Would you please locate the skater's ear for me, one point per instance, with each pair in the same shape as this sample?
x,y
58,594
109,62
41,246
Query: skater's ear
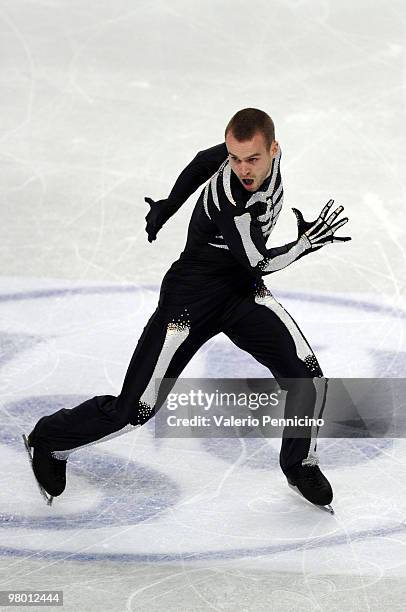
x,y
274,148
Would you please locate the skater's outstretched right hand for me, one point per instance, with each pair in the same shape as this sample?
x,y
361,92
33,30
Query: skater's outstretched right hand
x,y
156,217
320,232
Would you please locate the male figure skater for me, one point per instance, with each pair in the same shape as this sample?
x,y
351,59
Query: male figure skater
x,y
215,286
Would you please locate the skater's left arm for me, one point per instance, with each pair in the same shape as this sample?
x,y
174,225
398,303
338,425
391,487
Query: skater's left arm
x,y
245,239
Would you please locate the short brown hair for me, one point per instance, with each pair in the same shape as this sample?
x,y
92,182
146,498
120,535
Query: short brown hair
x,y
247,122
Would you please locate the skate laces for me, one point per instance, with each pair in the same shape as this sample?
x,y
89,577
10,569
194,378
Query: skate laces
x,y
311,460
311,474
60,455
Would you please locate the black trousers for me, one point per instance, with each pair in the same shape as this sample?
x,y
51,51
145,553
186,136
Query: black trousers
x,y
183,321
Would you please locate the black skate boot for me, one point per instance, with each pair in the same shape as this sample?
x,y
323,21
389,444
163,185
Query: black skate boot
x,y
307,479
49,472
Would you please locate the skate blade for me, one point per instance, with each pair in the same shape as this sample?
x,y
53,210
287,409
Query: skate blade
x,y
48,498
327,508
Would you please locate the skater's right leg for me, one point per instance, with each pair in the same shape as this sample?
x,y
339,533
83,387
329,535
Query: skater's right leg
x,y
102,416
167,343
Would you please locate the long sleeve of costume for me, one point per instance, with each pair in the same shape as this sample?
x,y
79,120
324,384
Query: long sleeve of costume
x,y
243,235
197,172
200,169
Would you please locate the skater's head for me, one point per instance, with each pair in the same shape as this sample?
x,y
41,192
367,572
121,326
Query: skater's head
x,y
251,145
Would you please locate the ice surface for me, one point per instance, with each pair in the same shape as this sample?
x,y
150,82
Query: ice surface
x,y
138,499
103,103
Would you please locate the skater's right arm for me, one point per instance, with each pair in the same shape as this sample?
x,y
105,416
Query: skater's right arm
x,y
200,169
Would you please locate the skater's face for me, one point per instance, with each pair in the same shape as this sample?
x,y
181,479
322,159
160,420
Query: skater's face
x,y
251,160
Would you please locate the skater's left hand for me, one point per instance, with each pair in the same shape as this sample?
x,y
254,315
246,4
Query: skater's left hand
x,y
321,231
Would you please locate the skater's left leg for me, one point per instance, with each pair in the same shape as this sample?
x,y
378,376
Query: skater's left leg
x,y
263,328
262,333
298,372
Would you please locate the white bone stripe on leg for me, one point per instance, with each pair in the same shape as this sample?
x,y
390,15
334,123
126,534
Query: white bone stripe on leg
x,y
302,347
175,336
303,350
173,339
64,454
320,383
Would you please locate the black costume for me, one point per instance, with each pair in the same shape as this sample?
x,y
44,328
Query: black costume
x,y
215,286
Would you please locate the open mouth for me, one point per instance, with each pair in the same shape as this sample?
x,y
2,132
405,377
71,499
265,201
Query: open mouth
x,y
247,181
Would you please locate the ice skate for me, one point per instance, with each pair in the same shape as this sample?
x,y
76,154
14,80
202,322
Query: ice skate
x,y
49,473
308,480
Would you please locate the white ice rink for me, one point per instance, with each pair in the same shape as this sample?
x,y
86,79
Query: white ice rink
x,y
101,104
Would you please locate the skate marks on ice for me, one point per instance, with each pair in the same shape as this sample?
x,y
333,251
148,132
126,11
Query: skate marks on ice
x,y
164,485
